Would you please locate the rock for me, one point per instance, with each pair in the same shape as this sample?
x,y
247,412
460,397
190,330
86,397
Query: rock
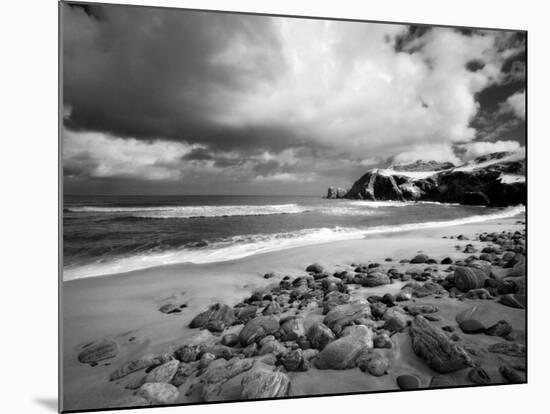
x,y
262,383
439,381
378,309
472,326
431,318
319,335
420,258
145,362
501,328
246,313
269,275
292,328
446,261
375,279
220,351
315,268
169,308
395,320
309,354
480,293
422,290
164,373
479,376
218,373
272,309
375,364
344,315
512,300
183,372
435,348
206,359
272,347
342,353
511,375
293,360
421,309
408,382
334,299
257,328
382,340
189,353
508,348
98,351
403,297
216,318
250,350
467,278
231,339
158,392
336,192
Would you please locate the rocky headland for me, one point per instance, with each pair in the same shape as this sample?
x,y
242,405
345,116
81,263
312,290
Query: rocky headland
x,y
493,180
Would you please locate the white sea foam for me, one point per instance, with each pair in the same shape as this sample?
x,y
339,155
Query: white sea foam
x,y
248,245
163,212
381,204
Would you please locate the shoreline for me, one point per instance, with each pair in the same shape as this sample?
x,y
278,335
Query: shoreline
x,y
352,234
125,307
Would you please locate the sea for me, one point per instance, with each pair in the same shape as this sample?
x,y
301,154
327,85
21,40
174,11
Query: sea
x,y
105,235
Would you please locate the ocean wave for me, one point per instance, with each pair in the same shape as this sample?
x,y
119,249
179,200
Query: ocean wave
x,y
247,245
381,204
165,212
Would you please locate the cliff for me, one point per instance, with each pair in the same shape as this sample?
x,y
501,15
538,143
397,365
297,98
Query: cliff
x,y
492,180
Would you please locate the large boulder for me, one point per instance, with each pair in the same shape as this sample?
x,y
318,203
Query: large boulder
x,y
216,318
343,352
261,382
467,278
344,315
258,328
436,348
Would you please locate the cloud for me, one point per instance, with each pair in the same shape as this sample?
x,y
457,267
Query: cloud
x,y
97,155
477,149
515,104
433,152
261,83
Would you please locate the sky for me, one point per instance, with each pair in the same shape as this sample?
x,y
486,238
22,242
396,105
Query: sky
x,y
165,101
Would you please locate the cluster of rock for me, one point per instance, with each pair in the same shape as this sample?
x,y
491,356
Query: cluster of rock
x,y
316,321
483,185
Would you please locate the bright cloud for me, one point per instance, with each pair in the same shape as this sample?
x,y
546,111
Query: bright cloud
x,y
477,149
516,104
433,152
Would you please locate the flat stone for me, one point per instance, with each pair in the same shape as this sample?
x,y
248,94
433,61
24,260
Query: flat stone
x,y
98,351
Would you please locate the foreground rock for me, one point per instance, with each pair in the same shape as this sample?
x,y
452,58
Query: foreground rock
x,y
258,328
215,319
435,348
158,393
343,352
263,383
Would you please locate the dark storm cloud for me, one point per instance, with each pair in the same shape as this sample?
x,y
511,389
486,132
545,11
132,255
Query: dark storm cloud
x,y
157,73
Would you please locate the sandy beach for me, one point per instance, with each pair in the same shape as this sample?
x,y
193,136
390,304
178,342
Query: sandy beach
x,y
124,309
